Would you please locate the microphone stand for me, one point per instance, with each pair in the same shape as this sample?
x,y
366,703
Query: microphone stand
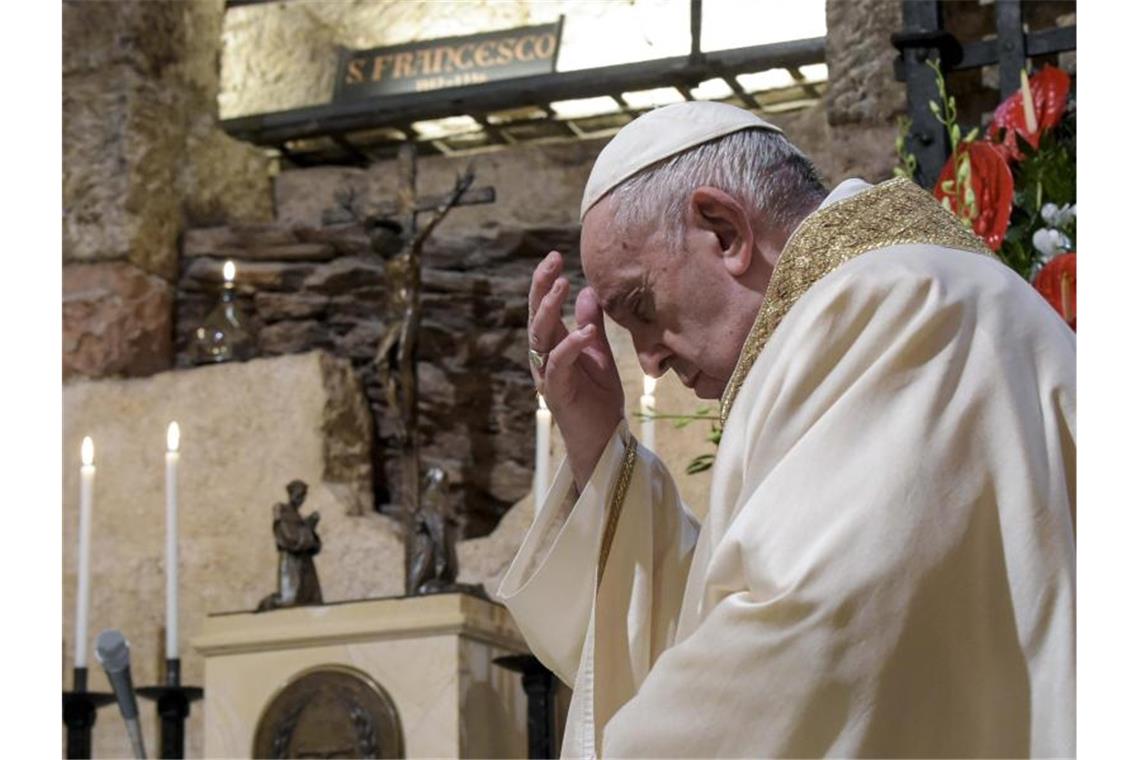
x,y
173,707
79,708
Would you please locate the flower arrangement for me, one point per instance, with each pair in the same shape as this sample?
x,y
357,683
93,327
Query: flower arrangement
x,y
1016,185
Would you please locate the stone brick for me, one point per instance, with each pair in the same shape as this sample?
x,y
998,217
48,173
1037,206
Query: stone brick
x,y
860,60
272,307
293,336
345,274
207,241
116,321
206,274
120,156
102,34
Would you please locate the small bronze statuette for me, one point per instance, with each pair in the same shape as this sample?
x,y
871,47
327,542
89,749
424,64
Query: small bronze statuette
x,y
435,565
297,544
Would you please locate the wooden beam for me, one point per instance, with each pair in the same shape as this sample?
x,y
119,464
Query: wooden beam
x,y
744,95
276,128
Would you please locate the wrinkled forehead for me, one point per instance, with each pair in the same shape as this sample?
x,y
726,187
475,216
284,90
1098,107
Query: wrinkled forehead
x,y
610,258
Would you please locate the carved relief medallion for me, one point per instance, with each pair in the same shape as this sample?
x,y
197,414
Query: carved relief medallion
x,y
330,711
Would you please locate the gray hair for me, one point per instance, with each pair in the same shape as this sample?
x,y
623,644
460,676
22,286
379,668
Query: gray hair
x,y
758,167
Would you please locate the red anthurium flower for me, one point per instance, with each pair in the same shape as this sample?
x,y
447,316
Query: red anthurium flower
x,y
991,202
1057,281
1049,89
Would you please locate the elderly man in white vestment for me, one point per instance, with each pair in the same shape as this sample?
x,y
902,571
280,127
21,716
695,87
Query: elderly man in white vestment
x,y
887,564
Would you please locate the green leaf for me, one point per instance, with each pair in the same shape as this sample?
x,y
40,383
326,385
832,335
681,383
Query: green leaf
x,y
700,464
964,172
973,135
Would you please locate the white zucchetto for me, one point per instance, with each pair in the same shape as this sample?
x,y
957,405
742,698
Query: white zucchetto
x,y
661,133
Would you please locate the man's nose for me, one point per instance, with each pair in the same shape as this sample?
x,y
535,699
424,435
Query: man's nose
x,y
651,355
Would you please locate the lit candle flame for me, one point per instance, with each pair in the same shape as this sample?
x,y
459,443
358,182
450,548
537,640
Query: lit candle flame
x,y
648,385
228,271
172,436
542,403
87,451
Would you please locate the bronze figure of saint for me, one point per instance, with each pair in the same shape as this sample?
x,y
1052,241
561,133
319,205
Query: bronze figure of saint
x,y
297,544
435,564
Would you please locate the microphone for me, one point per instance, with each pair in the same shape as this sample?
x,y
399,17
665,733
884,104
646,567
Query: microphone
x,y
114,654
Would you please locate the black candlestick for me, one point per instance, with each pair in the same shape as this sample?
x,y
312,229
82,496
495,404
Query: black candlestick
x,y
79,711
173,707
538,683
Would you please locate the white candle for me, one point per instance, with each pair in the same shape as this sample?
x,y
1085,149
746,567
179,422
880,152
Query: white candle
x,y
648,424
172,436
228,272
541,452
83,594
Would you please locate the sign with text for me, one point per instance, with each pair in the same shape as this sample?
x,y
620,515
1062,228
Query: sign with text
x,y
449,62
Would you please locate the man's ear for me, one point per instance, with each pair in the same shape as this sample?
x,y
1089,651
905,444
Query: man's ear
x,y
717,212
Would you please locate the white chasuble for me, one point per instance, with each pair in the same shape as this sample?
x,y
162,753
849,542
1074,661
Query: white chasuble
x,y
887,565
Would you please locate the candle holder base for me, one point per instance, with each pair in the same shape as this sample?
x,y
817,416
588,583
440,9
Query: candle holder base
x,y
173,702
79,711
538,683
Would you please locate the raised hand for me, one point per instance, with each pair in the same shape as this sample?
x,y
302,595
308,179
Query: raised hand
x,y
574,370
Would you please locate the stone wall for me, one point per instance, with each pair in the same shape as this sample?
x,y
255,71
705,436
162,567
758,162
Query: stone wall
x,y
142,158
306,288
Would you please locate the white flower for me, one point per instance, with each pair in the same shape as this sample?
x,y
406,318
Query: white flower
x,y
1051,242
1058,217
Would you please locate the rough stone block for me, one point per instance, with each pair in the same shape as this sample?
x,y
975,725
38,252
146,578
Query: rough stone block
x,y
103,33
223,179
293,336
272,307
346,273
860,59
206,274
119,170
116,321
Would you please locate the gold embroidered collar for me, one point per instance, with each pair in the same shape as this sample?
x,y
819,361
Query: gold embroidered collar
x,y
896,212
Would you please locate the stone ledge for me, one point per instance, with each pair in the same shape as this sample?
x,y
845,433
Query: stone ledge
x,y
366,620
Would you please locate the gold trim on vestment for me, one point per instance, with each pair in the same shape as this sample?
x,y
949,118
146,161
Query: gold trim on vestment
x,y
617,500
896,212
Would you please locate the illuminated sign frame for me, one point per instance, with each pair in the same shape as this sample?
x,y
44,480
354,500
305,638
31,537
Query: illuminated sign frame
x,y
448,62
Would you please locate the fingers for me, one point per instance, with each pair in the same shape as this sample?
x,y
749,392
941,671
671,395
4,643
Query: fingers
x,y
545,274
562,358
546,327
588,311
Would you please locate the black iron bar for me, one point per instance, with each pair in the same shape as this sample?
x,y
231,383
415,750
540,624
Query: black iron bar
x,y
695,31
1011,44
1041,42
928,140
